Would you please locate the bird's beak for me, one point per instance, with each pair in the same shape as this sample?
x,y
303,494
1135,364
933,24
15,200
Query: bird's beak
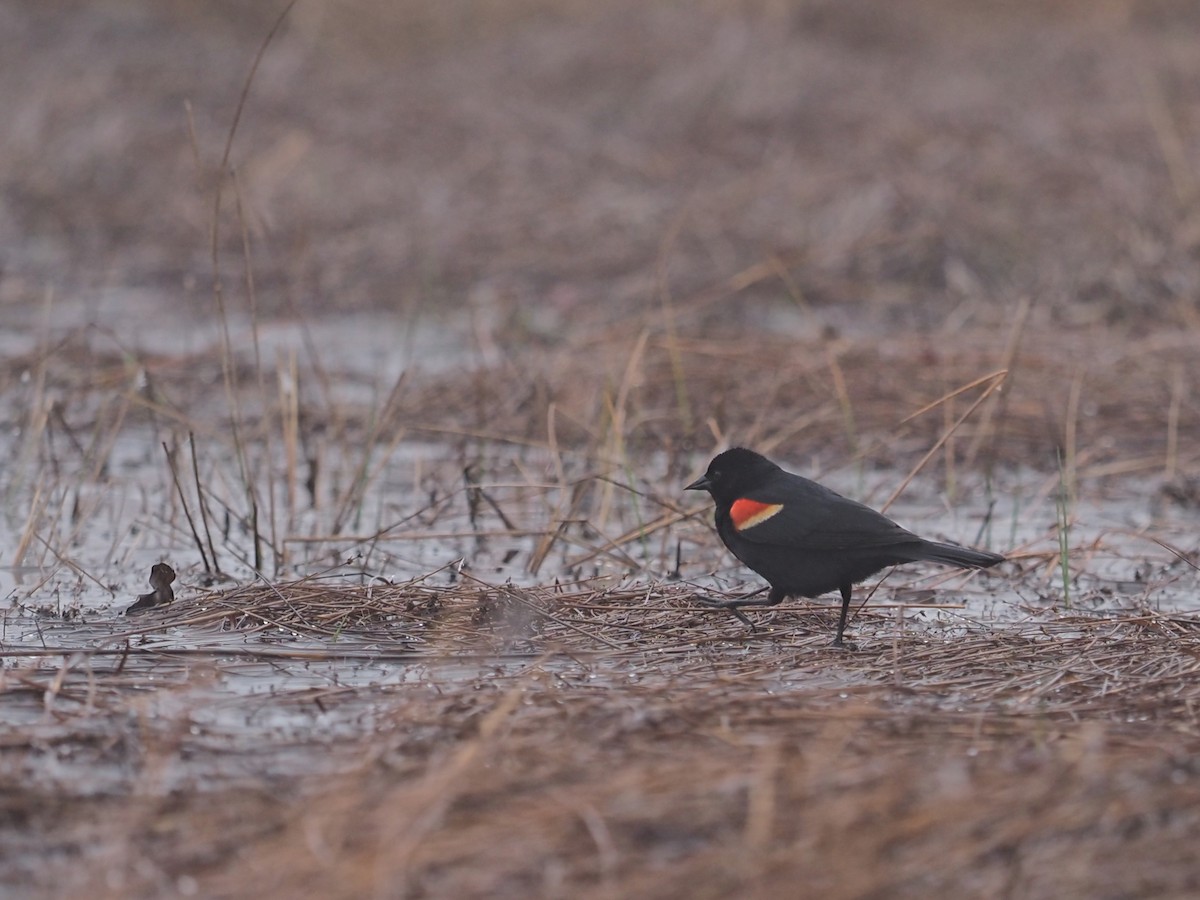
x,y
700,484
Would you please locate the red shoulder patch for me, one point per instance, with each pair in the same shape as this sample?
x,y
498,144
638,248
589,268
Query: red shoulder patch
x,y
748,513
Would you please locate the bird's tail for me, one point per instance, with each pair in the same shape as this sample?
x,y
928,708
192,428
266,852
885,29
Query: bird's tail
x,y
952,555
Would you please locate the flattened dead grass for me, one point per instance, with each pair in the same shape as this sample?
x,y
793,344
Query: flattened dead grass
x,y
637,745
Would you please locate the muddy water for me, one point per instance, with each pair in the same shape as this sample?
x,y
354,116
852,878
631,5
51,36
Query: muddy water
x,y
238,718
89,504
88,544
81,527
94,543
96,705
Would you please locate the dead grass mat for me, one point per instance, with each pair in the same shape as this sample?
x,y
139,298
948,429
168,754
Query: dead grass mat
x,y
639,747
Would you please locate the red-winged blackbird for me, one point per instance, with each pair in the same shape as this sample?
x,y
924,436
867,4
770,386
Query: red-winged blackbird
x,y
805,539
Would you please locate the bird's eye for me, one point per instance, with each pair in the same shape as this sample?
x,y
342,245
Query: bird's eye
x,y
714,475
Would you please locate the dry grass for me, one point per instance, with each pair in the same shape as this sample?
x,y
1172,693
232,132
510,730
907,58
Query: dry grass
x,y
632,746
1118,405
623,235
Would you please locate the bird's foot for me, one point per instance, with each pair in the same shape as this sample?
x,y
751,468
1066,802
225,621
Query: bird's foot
x,y
730,606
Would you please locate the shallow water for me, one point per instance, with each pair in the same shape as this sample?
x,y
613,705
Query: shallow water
x,y
97,707
93,519
90,542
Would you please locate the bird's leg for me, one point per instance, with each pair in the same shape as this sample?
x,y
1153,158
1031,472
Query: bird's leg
x,y
746,600
743,618
751,599
846,589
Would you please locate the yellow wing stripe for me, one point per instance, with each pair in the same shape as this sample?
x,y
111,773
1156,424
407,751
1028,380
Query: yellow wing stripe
x,y
748,513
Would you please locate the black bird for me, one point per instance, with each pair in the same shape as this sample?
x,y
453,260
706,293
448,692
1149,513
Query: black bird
x,y
806,540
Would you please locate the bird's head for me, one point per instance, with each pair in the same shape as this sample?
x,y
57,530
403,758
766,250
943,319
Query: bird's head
x,y
732,473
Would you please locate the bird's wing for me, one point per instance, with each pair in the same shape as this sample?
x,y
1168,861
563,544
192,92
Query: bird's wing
x,y
814,518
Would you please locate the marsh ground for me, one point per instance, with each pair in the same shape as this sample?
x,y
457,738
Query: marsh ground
x,y
495,281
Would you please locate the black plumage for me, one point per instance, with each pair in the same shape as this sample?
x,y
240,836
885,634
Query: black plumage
x,y
807,540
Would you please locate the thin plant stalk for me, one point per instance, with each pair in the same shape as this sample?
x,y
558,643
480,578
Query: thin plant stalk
x,y
1064,529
